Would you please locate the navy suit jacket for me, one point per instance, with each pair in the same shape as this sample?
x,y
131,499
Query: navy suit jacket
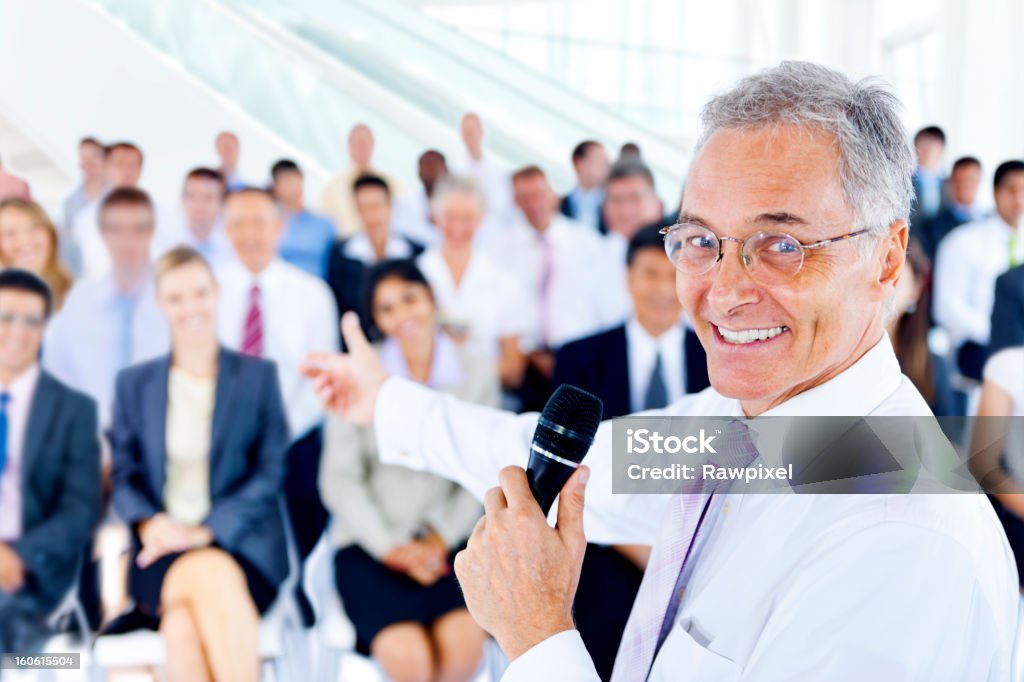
x,y
60,489
600,364
347,279
1008,311
247,455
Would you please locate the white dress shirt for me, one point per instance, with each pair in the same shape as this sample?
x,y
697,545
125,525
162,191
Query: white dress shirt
x,y
642,350
83,343
968,262
495,181
575,305
787,587
21,392
358,246
1005,369
488,303
299,315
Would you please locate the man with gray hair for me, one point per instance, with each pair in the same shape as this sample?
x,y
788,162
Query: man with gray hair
x,y
791,241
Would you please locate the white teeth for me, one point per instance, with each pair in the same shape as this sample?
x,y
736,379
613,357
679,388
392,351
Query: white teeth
x,y
750,335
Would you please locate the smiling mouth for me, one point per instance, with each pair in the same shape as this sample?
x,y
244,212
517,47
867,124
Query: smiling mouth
x,y
745,336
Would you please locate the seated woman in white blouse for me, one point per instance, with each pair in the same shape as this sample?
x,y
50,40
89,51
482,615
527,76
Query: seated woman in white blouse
x,y
396,529
198,441
997,444
481,304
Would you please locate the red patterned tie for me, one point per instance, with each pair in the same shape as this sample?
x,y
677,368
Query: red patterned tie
x,y
252,341
657,602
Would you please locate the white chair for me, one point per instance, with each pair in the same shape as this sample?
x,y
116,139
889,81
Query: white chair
x,y
283,645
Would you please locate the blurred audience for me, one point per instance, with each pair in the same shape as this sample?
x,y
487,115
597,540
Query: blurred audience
x,y
110,322
908,330
29,241
202,200
1007,321
959,207
969,261
930,145
274,310
90,160
412,211
122,168
199,439
630,151
651,360
630,204
997,444
583,203
491,176
396,530
49,471
228,149
350,258
553,258
337,201
307,236
482,306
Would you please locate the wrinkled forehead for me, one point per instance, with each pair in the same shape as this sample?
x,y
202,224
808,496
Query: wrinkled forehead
x,y
740,176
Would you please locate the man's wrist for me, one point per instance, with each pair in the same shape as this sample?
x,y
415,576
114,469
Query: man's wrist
x,y
516,644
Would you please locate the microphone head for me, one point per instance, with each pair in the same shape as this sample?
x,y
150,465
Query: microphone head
x,y
569,422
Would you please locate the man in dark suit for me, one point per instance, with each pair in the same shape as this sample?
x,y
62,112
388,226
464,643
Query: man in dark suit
x,y
49,470
349,259
648,362
957,208
652,359
1008,311
584,203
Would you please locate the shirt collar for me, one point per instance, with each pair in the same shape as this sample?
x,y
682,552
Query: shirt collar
x,y
636,334
358,246
445,366
22,388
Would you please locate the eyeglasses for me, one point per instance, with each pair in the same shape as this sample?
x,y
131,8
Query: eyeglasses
x,y
770,257
9,319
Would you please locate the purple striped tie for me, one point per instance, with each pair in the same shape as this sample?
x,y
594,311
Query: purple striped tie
x,y
657,603
252,341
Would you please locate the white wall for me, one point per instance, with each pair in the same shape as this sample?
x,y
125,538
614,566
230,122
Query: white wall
x,y
68,70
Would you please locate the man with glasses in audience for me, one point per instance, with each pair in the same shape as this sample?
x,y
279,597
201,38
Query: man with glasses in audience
x,y
49,470
791,243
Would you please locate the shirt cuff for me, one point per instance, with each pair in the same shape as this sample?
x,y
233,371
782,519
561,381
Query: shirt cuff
x,y
399,416
562,657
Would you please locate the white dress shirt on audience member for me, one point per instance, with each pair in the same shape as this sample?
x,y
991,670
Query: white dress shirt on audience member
x,y
558,263
86,342
643,351
493,177
297,311
972,257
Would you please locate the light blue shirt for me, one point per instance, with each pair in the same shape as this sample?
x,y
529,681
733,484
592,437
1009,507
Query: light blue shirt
x,y
305,242
588,204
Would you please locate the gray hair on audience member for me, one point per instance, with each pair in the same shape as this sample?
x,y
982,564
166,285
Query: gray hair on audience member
x,y
456,184
876,162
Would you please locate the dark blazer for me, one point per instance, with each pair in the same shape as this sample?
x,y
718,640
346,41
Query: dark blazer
x,y
600,364
568,208
1008,311
247,455
347,279
930,232
60,488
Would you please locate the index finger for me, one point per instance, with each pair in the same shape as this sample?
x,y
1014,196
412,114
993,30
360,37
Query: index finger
x,y
516,488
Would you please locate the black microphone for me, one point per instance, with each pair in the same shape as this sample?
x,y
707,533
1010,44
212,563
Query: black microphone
x,y
565,431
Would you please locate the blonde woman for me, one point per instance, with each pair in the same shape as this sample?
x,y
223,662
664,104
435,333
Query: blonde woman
x,y
198,440
29,241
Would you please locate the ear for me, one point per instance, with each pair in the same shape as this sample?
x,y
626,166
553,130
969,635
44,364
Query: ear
x,y
893,256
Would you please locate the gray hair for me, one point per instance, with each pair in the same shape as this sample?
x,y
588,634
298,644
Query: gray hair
x,y
876,163
455,184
